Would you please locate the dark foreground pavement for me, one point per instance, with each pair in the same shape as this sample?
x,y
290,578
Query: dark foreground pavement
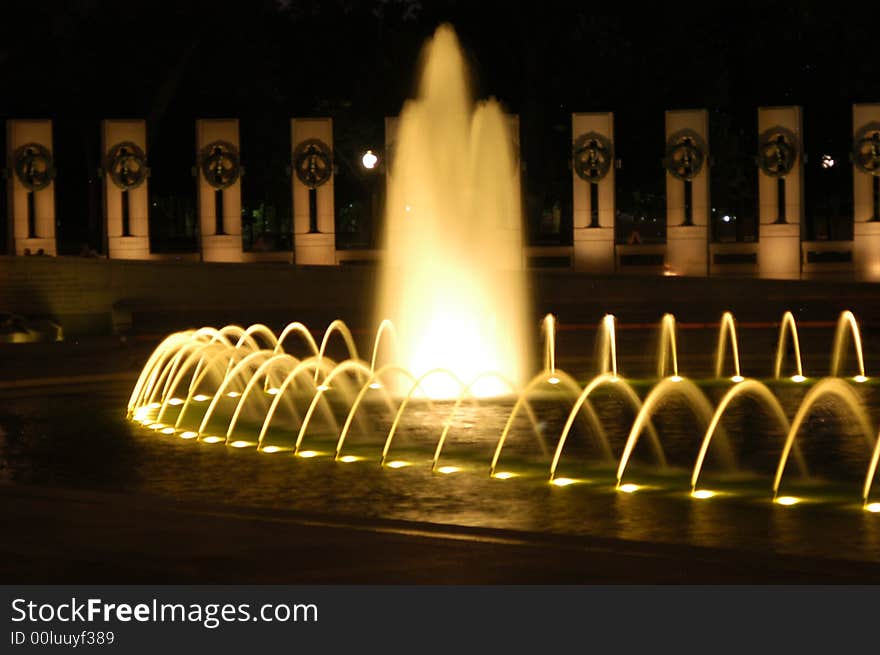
x,y
84,537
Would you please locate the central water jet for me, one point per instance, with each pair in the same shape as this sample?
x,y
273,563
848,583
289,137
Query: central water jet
x,y
453,281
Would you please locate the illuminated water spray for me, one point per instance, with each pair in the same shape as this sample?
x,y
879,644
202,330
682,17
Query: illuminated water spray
x,y
453,282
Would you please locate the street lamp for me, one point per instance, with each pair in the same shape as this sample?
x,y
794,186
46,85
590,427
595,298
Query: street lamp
x,y
369,160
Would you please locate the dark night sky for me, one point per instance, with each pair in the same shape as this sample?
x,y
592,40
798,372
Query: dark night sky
x,y
264,61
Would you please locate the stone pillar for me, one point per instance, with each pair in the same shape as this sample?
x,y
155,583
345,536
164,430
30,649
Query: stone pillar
x,y
31,187
314,217
219,194
126,201
780,191
866,191
687,192
593,199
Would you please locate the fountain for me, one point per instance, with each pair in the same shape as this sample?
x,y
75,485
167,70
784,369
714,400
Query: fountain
x,y
453,331
250,379
453,282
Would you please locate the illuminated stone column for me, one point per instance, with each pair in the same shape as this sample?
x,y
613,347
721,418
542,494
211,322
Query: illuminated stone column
x,y
780,191
593,200
31,187
126,204
687,191
314,217
219,194
866,190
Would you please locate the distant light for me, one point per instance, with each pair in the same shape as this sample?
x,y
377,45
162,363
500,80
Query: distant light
x,y
376,385
562,482
628,488
676,378
200,397
504,475
189,434
827,161
397,464
241,444
168,430
702,494
553,380
348,459
860,378
323,387
273,391
788,500
408,208
233,394
737,378
154,405
369,160
726,218
156,426
271,449
175,401
308,453
798,378
874,508
213,439
446,470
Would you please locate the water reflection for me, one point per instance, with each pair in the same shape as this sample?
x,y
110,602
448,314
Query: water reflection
x,y
81,441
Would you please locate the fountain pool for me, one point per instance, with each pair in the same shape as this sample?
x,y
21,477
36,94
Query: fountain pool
x,y
444,418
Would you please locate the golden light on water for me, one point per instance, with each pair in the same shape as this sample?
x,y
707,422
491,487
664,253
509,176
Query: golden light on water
x,y
175,401
504,475
874,508
798,378
737,378
860,378
562,482
213,439
307,454
273,391
628,488
156,426
271,449
703,494
154,405
189,434
168,430
446,470
200,398
242,444
233,394
348,459
676,378
553,380
787,501
397,464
